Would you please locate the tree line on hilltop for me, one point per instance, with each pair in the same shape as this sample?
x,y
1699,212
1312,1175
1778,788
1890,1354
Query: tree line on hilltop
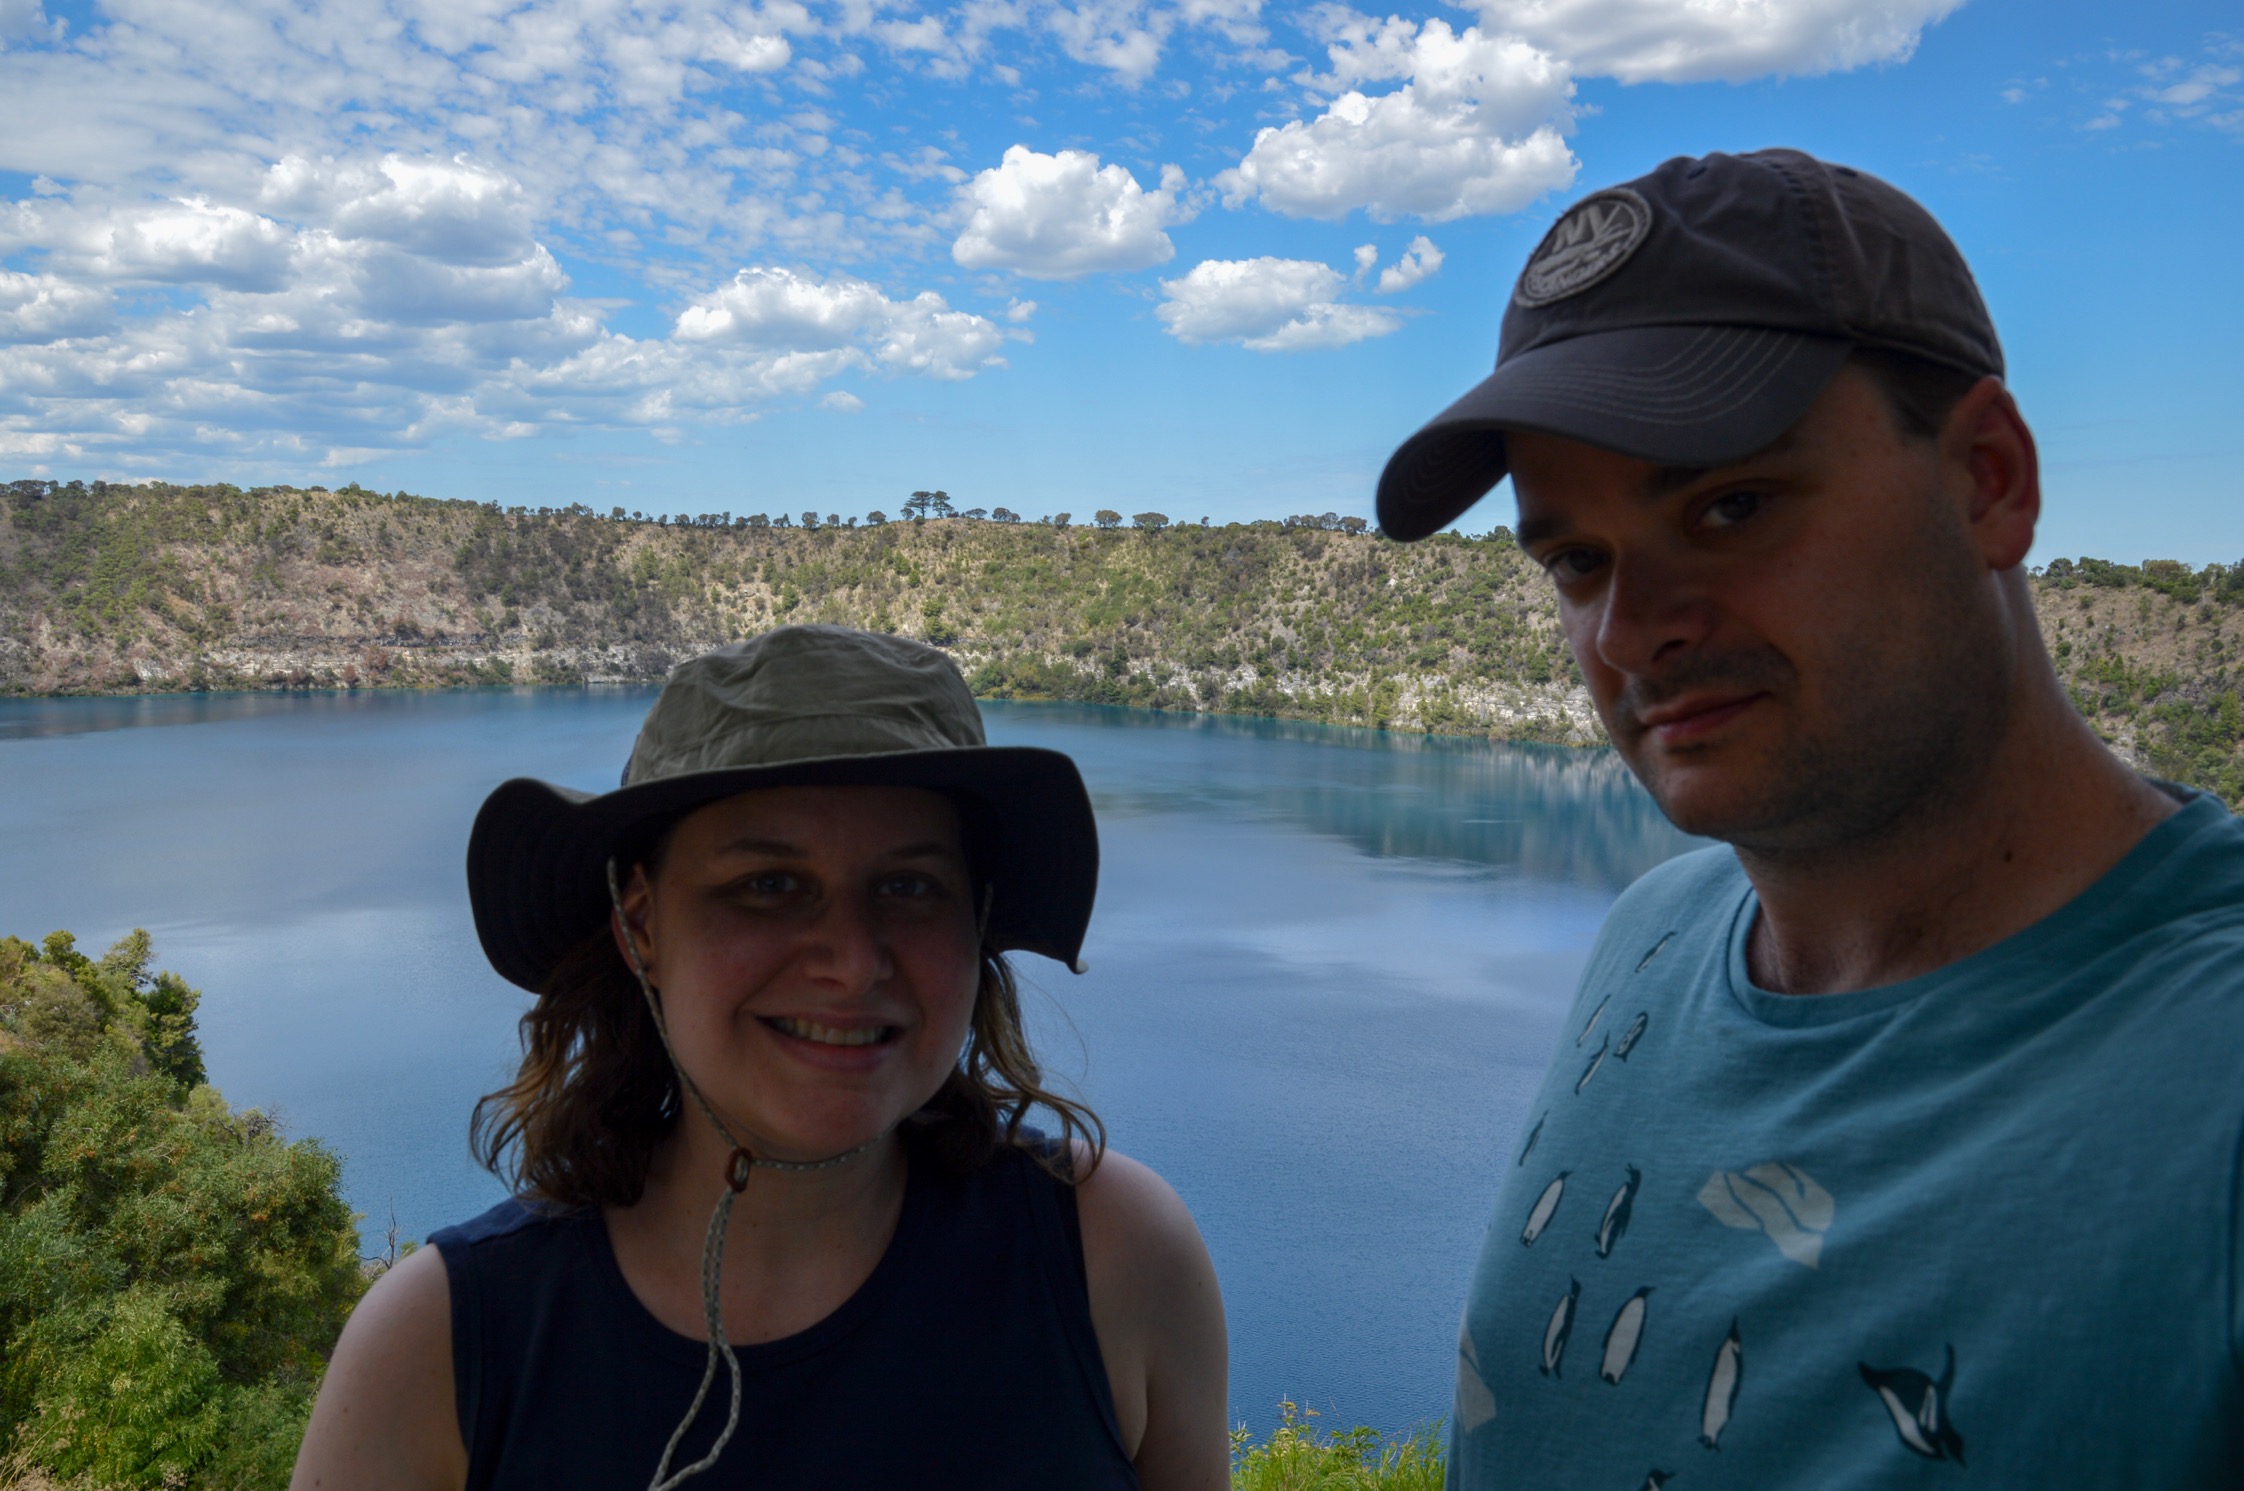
x,y
109,587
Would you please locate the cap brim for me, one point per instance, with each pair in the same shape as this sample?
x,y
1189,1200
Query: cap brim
x,y
537,857
1677,395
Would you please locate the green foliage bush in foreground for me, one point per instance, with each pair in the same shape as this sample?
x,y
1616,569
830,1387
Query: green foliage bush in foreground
x,y
1297,1458
172,1273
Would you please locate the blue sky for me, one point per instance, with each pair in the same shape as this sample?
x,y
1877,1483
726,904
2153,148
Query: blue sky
x,y
1210,257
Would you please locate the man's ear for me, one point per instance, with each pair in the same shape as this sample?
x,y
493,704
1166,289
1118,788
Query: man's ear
x,y
1991,452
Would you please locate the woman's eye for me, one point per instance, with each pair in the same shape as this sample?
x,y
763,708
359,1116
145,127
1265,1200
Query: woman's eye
x,y
769,884
1731,509
908,887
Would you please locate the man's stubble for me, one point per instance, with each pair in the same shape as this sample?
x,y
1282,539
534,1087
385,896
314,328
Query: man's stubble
x,y
1900,729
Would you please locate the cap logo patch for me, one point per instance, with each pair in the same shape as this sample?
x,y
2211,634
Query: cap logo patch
x,y
1590,240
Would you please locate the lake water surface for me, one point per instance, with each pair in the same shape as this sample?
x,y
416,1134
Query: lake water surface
x,y
1326,969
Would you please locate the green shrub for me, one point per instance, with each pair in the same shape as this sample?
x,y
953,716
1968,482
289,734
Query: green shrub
x,y
1297,1458
172,1273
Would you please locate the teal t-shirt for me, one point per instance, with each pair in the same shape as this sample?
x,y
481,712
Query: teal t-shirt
x,y
1981,1227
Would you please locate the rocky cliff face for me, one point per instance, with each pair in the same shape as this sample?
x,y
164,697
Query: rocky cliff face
x,y
108,588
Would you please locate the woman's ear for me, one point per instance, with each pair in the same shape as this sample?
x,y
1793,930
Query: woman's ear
x,y
633,899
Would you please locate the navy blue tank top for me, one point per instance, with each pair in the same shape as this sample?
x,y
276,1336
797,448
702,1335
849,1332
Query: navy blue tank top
x,y
967,1359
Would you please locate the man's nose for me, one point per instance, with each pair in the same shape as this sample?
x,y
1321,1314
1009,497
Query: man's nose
x,y
1653,610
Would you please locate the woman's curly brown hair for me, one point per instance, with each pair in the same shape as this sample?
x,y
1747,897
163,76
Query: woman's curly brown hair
x,y
579,1123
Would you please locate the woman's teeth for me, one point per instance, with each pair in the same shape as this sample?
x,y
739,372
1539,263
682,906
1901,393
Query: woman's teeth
x,y
827,1035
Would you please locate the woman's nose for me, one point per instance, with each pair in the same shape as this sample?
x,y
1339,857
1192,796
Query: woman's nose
x,y
849,945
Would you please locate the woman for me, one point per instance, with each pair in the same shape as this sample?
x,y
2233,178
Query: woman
x,y
771,975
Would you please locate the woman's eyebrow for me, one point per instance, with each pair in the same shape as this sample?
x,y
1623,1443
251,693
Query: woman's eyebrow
x,y
751,845
929,849
783,849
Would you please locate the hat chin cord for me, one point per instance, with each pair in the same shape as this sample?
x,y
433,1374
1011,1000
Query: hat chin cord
x,y
737,1167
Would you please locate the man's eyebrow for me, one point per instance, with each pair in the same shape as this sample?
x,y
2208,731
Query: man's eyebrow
x,y
1668,480
1532,531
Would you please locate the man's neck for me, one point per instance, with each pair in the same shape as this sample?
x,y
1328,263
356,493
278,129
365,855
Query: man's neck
x,y
2043,821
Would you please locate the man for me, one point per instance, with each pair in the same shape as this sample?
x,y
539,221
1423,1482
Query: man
x,y
1902,1134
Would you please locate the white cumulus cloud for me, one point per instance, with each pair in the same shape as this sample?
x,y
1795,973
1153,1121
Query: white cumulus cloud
x,y
782,312
1683,41
44,308
1476,128
1420,262
454,211
1267,304
188,241
377,305
21,18
1059,217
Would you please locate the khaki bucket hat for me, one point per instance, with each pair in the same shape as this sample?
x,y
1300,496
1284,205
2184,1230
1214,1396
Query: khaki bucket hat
x,y
798,706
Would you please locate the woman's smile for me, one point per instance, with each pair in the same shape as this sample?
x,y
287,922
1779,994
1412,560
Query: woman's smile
x,y
833,1035
835,1045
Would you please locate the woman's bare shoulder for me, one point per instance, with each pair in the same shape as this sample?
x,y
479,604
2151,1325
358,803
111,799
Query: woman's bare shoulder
x,y
1159,1316
385,1419
1131,1208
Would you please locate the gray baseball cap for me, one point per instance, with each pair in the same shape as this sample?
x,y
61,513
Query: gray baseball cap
x,y
1691,316
796,706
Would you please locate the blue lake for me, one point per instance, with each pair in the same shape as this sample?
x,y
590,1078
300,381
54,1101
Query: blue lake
x,y
1325,972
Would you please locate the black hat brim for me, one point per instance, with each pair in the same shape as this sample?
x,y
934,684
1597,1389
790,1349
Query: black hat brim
x,y
537,857
1675,395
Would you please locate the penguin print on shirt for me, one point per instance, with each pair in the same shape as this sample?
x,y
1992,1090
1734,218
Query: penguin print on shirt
x,y
1722,1384
1560,1329
1590,1024
1533,1134
1624,1337
1919,1407
1615,1221
1596,1061
1545,1207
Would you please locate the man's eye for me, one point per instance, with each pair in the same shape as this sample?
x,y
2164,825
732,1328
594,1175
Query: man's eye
x,y
1565,565
770,883
1731,509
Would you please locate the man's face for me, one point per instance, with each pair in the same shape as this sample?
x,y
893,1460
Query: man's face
x,y
1791,651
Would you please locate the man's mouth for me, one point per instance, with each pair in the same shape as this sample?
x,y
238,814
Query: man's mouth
x,y
832,1035
1689,719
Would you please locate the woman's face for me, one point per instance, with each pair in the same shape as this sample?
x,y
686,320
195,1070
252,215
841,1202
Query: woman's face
x,y
816,954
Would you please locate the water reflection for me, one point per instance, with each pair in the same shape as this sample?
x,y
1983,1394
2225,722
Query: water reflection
x,y
39,718
1547,813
